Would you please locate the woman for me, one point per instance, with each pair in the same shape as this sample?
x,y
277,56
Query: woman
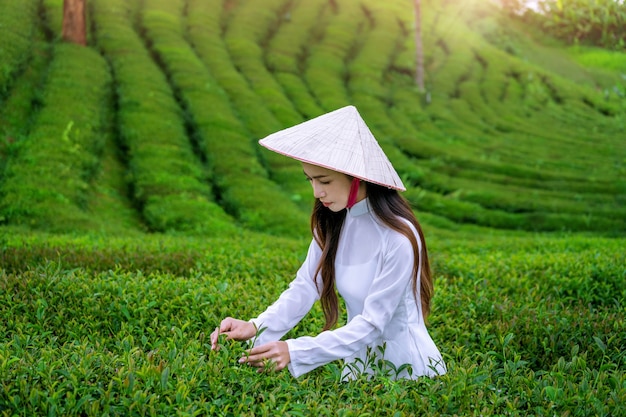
x,y
367,245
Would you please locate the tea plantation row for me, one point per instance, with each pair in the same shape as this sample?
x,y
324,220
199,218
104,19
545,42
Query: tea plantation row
x,y
154,125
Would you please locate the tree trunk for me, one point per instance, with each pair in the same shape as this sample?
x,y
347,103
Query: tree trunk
x,y
74,25
419,53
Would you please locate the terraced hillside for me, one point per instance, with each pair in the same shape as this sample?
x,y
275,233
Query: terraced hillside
x,y
154,126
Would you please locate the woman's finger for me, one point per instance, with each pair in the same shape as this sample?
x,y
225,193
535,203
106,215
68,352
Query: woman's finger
x,y
251,358
262,363
268,357
214,338
255,355
225,325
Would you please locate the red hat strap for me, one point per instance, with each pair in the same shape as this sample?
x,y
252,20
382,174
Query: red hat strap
x,y
354,190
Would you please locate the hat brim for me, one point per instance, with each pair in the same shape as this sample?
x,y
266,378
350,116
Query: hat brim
x,y
340,141
362,178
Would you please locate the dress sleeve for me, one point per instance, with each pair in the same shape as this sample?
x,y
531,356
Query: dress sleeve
x,y
388,289
293,304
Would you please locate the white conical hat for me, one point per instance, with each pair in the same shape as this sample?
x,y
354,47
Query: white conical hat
x,y
341,141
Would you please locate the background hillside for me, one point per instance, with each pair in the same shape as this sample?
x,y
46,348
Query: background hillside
x,y
154,126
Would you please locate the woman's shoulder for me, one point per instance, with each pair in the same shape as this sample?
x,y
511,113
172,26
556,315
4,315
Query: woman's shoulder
x,y
397,238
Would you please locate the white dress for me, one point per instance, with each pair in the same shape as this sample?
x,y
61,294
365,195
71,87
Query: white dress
x,y
373,273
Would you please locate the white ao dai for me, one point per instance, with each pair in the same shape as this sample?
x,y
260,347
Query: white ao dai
x,y
373,275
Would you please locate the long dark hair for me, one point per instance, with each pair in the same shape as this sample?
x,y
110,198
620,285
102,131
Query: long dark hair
x,y
390,207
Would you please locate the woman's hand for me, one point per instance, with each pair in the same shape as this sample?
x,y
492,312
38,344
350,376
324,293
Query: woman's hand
x,y
234,330
270,356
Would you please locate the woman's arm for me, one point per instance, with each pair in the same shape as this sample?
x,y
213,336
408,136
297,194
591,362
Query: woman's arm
x,y
293,304
281,316
387,290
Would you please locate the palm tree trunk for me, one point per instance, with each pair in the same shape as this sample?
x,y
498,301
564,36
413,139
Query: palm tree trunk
x,y
419,53
74,25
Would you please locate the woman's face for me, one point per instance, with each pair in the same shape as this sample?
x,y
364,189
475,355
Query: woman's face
x,y
332,188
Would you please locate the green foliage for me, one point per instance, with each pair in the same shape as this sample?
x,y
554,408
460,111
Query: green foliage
x,y
46,184
325,71
288,49
527,325
255,97
19,105
53,17
512,131
168,180
18,25
597,22
514,135
221,136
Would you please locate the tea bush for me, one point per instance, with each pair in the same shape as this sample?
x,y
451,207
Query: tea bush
x,y
255,122
46,185
18,23
515,134
168,182
249,32
326,65
527,325
20,102
288,49
262,104
208,79
190,76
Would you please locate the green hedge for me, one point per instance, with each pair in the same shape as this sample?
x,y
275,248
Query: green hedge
x,y
248,33
286,53
53,18
168,180
223,139
326,69
18,22
368,64
47,182
19,106
508,127
461,211
247,49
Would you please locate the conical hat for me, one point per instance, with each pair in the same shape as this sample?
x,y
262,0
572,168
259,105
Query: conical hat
x,y
340,141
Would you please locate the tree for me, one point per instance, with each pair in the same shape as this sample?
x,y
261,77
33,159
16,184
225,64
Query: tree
x,y
419,52
593,22
514,7
74,22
